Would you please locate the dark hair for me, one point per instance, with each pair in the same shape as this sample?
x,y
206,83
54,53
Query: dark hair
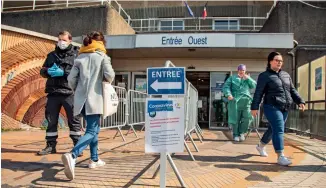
x,y
65,33
95,35
271,57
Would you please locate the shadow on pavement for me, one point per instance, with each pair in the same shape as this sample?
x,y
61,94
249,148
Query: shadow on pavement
x,y
273,168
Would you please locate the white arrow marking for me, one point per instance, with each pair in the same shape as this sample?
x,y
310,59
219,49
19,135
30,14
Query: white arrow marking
x,y
166,85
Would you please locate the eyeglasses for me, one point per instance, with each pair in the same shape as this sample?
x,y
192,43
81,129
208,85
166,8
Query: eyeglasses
x,y
278,60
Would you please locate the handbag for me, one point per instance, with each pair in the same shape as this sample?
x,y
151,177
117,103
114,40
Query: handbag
x,y
110,100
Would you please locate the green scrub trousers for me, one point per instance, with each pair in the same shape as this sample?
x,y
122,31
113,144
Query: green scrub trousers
x,y
243,116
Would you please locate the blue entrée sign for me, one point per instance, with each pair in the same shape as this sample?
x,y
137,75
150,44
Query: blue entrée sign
x,y
166,81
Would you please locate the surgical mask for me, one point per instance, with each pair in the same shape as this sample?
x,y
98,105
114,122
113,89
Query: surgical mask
x,y
63,44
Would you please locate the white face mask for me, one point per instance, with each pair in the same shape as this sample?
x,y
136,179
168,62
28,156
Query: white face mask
x,y
63,44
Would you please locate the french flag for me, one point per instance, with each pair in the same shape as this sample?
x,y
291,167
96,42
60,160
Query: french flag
x,y
189,9
205,11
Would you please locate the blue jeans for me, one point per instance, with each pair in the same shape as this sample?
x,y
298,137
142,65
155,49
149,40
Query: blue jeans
x,y
90,137
275,132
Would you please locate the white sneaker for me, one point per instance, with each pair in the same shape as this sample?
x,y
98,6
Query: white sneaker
x,y
242,137
282,160
262,151
69,164
237,139
93,164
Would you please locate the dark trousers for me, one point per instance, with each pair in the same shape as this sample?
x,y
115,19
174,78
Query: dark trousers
x,y
52,110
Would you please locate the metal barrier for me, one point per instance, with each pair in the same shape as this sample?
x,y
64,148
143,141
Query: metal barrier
x,y
255,125
118,119
191,111
136,110
131,112
311,122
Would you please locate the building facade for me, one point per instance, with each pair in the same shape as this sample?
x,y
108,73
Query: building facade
x,y
233,33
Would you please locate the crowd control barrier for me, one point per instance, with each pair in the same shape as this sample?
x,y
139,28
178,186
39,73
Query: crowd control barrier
x,y
191,125
191,111
132,108
131,112
255,125
136,110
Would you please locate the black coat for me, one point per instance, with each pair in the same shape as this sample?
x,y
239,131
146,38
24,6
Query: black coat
x,y
278,90
65,60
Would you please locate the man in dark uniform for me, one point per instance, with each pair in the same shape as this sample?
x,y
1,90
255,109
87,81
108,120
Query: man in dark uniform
x,y
56,69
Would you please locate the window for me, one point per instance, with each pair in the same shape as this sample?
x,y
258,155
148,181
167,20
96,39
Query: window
x,y
171,25
226,25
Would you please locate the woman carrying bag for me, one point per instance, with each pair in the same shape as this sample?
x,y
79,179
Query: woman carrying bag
x,y
90,69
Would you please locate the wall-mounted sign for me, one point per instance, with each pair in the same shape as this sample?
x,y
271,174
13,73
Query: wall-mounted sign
x,y
185,40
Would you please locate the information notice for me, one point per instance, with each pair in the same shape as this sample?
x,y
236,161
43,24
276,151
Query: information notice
x,y
164,125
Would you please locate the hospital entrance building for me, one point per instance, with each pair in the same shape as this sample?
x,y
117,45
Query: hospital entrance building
x,y
143,34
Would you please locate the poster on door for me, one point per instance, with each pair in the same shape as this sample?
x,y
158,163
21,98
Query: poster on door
x,y
141,85
164,125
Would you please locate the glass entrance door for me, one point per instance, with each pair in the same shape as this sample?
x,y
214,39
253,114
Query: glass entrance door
x,y
218,108
122,79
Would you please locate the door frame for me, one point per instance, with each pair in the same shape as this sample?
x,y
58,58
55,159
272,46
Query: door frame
x,y
133,78
210,101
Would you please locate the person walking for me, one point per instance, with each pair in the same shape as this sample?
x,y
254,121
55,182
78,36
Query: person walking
x,y
56,69
91,68
237,90
279,93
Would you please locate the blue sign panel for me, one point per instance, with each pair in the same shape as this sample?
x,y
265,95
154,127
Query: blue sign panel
x,y
166,81
158,106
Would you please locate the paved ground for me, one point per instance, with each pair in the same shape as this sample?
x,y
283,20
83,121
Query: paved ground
x,y
219,163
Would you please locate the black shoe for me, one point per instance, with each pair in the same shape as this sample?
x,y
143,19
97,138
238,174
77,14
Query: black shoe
x,y
49,149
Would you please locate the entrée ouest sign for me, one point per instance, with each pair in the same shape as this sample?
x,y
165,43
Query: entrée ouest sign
x,y
185,40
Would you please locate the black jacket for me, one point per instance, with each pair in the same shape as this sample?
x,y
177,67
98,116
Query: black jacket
x,y
65,60
278,89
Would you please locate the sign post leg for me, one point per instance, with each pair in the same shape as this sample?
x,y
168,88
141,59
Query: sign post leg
x,y
176,171
162,169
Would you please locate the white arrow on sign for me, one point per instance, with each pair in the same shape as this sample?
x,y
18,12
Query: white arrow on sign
x,y
166,85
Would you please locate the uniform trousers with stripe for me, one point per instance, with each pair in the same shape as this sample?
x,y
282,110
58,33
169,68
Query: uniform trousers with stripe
x,y
52,110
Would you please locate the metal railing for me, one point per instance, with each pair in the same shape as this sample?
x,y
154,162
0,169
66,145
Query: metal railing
x,y
136,110
311,122
198,24
191,111
254,125
131,112
118,119
38,4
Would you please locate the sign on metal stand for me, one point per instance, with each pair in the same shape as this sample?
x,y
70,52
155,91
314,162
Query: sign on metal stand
x,y
165,118
166,81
